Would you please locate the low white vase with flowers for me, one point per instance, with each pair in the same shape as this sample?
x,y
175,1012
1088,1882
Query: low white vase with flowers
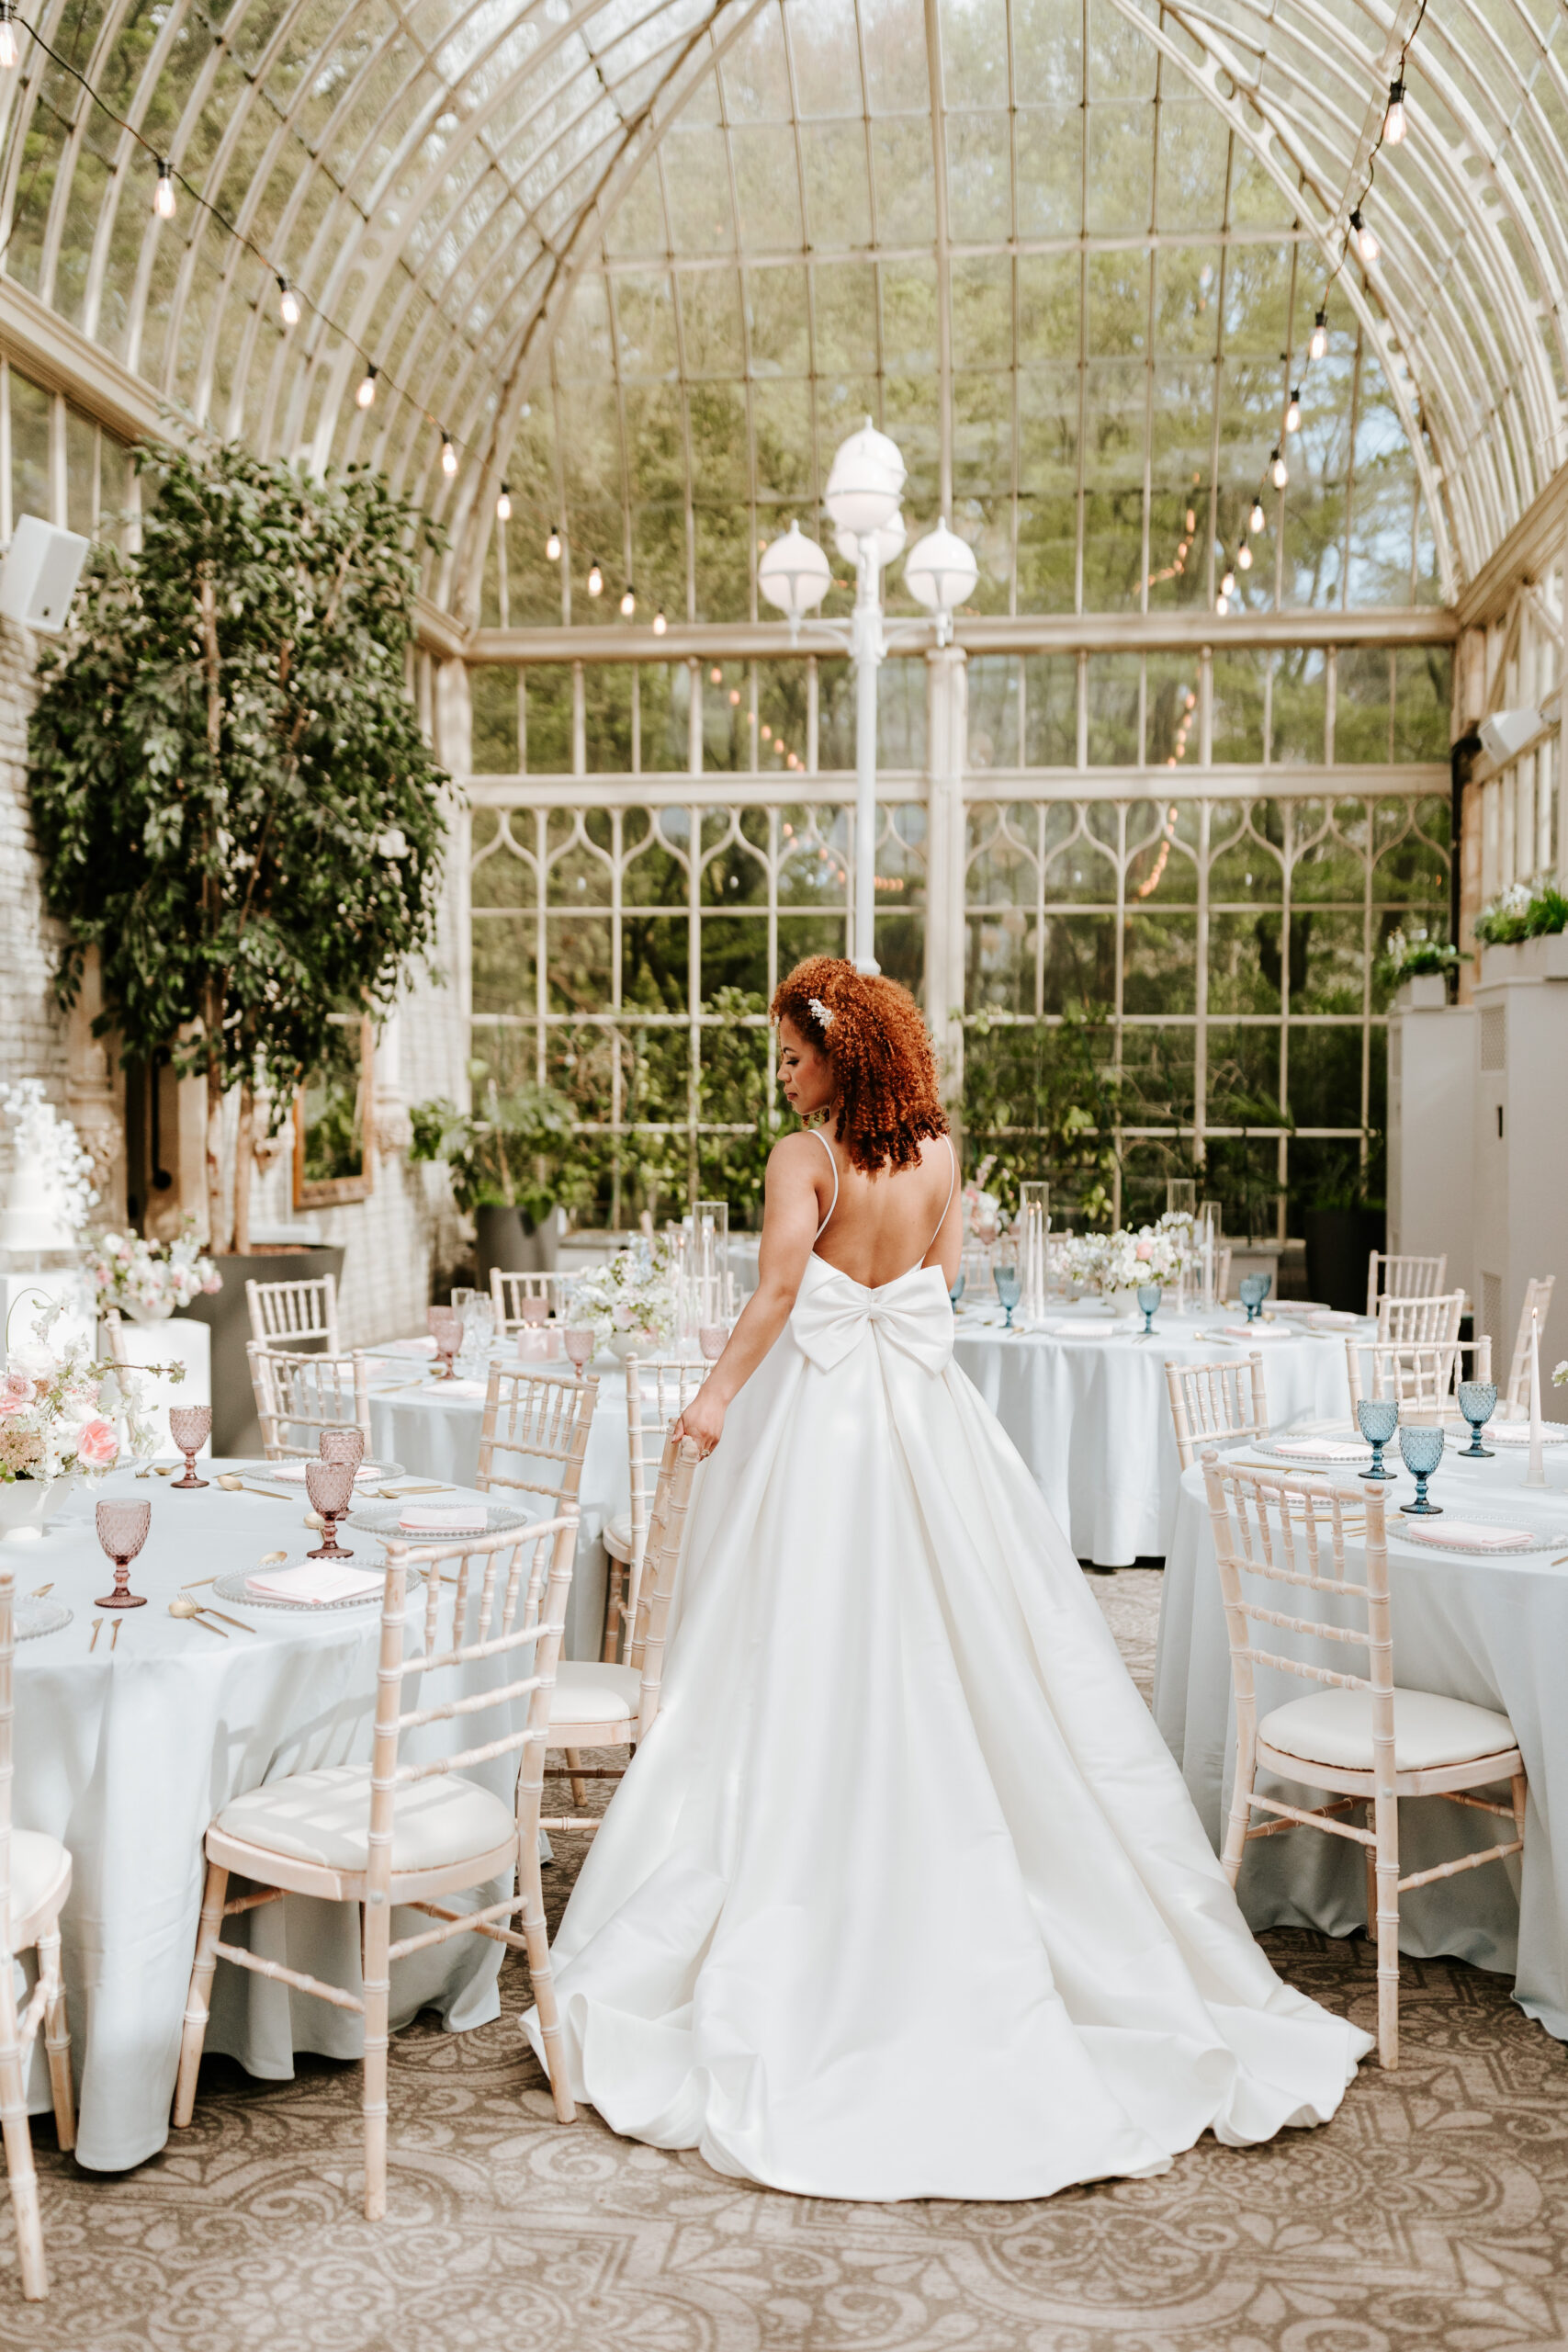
x,y
629,1304
147,1280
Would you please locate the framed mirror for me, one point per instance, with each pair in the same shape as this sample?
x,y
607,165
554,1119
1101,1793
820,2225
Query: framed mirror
x,y
331,1121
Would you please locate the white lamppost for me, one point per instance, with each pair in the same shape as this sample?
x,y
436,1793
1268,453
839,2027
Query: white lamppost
x,y
862,499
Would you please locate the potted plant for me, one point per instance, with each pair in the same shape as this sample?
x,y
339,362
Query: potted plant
x,y
1345,1223
231,794
510,1167
1417,967
1521,933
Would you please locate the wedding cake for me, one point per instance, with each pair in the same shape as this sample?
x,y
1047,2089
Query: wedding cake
x,y
48,1188
30,1218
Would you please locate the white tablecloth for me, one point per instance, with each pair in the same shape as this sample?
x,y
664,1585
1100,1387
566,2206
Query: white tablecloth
x,y
1091,1416
125,1754
1493,1630
433,1428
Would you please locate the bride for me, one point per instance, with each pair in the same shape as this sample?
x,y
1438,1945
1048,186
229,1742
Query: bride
x,y
903,1895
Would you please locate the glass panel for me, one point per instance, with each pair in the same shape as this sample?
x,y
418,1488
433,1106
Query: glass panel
x,y
29,450
80,464
493,690
607,719
1114,685
992,710
548,710
1051,710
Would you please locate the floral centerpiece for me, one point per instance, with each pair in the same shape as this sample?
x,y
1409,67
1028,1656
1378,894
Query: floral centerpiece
x,y
628,1303
981,1211
1108,1263
147,1280
58,1414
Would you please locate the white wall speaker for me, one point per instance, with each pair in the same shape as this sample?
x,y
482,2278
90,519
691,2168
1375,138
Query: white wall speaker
x,y
39,577
1506,732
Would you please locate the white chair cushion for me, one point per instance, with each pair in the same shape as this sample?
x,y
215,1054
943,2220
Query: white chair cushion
x,y
39,1866
617,1536
589,1692
1335,1727
324,1818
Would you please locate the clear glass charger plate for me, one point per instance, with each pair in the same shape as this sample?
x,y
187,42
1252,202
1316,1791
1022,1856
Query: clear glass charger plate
x,y
29,1617
1324,1451
263,1473
382,1519
1516,1441
1540,1539
235,1586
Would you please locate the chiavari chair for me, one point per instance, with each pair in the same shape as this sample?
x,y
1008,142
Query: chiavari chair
x,y
1213,1403
297,1397
1403,1277
659,1389
287,1315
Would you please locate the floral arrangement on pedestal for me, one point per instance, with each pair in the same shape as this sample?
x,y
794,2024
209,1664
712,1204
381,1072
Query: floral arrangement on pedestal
x,y
1122,1260
1414,957
57,1410
630,1302
50,1189
147,1280
981,1211
1524,910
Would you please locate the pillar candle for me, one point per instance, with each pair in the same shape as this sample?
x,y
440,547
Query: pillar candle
x,y
1536,1475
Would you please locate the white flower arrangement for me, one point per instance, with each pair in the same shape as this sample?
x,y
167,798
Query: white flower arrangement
x,y
51,1146
1124,1260
632,1296
150,1278
57,1410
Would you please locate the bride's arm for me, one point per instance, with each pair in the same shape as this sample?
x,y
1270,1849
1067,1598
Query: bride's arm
x,y
791,1215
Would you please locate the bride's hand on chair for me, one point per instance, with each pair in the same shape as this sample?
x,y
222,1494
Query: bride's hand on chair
x,y
703,1420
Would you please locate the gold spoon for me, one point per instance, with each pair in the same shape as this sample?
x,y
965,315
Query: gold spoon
x,y
182,1607
232,1486
39,1589
97,1629
114,1637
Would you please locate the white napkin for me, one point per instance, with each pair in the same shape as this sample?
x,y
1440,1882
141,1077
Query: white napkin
x,y
316,1582
457,1388
425,1346
1333,1319
460,1519
1251,1331
1479,1532
1321,1448
1518,1433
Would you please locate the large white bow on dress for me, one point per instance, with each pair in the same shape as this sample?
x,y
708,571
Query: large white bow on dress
x,y
831,1311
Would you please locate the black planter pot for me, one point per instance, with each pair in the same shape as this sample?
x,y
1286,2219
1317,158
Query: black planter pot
x,y
235,1429
1338,1243
505,1238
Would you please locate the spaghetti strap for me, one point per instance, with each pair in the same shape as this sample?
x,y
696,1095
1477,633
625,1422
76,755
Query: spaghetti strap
x,y
833,1163
952,1181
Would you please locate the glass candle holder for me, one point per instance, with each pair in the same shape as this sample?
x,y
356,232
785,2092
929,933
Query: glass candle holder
x,y
446,1331
1477,1402
1377,1418
1422,1448
123,1531
329,1486
190,1425
1009,1290
713,1339
1149,1296
535,1311
1253,1289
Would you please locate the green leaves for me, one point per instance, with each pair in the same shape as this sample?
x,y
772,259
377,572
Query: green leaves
x,y
223,753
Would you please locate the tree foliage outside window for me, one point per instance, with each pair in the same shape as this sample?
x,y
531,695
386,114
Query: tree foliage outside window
x,y
231,793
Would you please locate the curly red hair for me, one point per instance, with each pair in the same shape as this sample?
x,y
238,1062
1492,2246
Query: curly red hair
x,y
881,1053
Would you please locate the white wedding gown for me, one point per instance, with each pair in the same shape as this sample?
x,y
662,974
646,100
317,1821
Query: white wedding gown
x,y
903,1895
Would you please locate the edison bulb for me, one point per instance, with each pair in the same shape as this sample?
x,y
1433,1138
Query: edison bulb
x,y
1256,519
628,603
164,194
552,545
448,456
366,391
1243,556
288,303
503,506
1279,471
1294,411
595,579
660,623
1394,124
1319,344
1227,584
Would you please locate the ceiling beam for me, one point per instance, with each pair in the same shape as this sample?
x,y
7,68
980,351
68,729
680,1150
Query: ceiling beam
x,y
1534,545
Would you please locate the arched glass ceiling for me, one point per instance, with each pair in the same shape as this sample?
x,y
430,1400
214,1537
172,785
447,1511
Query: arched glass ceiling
x,y
647,258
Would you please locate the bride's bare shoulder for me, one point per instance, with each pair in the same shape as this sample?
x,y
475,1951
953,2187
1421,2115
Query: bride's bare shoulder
x,y
797,1158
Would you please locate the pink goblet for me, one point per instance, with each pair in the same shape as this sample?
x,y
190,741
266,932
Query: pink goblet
x,y
713,1339
329,1486
446,1331
123,1531
344,1445
190,1425
535,1311
579,1347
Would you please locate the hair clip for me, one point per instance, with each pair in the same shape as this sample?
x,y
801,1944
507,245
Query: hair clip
x,y
819,1013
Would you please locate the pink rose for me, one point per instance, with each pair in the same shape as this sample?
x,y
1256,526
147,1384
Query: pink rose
x,y
17,1393
96,1445
214,1281
1142,1251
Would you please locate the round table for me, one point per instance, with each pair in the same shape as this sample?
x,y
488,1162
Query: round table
x,y
432,1427
1086,1404
1491,1629
126,1749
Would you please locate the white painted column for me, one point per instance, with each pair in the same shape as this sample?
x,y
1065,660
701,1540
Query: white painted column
x,y
947,707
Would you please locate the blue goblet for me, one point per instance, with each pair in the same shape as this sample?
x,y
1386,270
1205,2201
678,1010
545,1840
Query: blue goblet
x,y
1423,1450
1477,1402
956,1293
1377,1418
1254,1289
1149,1296
1009,1290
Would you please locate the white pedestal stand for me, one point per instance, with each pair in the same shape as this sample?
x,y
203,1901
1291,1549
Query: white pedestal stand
x,y
28,1284
1432,1113
175,1341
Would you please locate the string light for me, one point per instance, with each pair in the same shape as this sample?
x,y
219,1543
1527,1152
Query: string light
x,y
448,455
1367,245
1222,604
1243,556
1318,348
503,506
660,623
288,303
164,194
366,391
715,675
1294,409
595,579
7,35
1279,471
552,545
1256,521
1395,125
1227,584
629,601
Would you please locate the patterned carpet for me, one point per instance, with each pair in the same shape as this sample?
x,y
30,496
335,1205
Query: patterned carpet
x,y
1430,2216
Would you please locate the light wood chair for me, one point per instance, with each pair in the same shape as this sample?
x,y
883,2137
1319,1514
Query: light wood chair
x,y
1538,1295
1217,1401
659,1389
1363,1738
1437,1318
1422,1374
289,1315
298,1396
596,1704
35,1879
393,1833
508,1291
1403,1277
